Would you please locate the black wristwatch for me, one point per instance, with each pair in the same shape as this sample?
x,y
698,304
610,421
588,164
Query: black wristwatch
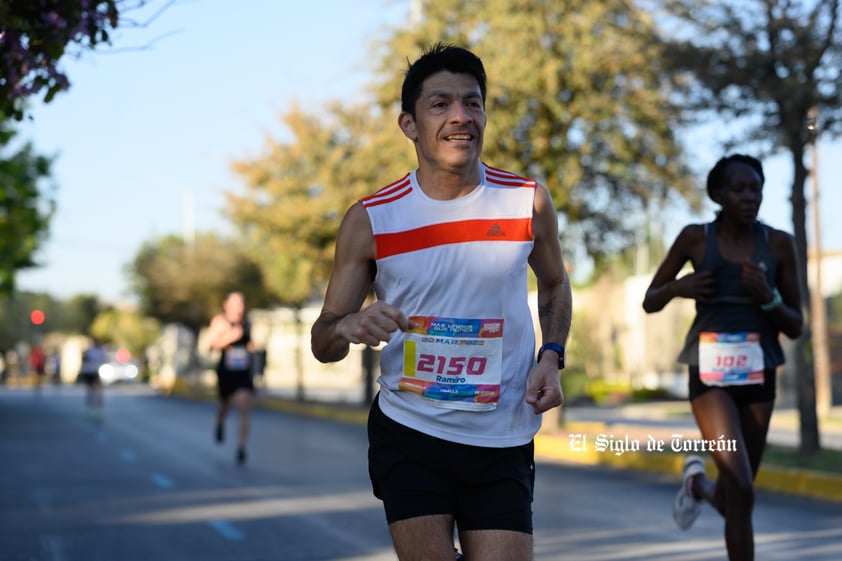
x,y
553,347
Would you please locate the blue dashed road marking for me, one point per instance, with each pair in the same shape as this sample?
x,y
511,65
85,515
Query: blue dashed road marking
x,y
162,481
227,530
128,456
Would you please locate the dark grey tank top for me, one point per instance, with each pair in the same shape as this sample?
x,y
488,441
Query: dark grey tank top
x,y
734,309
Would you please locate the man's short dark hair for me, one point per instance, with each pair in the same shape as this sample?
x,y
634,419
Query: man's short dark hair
x,y
440,56
718,176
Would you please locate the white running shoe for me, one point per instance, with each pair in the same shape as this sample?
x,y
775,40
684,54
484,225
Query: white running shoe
x,y
686,508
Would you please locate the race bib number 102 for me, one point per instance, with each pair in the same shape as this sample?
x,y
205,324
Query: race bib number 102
x,y
454,362
730,359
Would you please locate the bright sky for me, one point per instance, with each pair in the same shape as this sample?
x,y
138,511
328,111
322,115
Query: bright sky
x,y
145,137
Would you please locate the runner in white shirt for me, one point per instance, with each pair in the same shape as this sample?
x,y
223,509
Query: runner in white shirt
x,y
447,250
92,359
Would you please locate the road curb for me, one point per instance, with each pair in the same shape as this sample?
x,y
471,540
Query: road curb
x,y
555,446
800,482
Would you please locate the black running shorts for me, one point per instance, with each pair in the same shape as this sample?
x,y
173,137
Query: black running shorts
x,y
230,382
415,474
742,395
90,378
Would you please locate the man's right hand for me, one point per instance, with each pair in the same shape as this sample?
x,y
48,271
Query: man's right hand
x,y
373,325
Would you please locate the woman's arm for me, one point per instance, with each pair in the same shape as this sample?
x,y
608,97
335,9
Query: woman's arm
x,y
688,246
787,315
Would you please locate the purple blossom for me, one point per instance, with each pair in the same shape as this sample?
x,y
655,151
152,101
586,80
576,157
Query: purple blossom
x,y
30,50
54,20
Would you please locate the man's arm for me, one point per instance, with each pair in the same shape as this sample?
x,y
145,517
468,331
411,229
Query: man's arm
x,y
555,302
341,321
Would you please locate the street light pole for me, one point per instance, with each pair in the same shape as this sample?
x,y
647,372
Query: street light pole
x,y
821,353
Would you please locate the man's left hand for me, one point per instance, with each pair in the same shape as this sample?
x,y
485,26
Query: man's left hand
x,y
543,388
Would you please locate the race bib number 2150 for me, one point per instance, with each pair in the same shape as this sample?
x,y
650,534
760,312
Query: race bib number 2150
x,y
454,362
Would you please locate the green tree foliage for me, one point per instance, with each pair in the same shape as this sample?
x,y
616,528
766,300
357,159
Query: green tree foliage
x,y
835,313
765,66
575,99
126,329
186,283
72,316
26,206
77,315
14,322
297,193
34,36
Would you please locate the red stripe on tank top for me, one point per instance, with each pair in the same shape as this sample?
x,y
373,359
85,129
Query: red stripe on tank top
x,y
389,193
485,230
507,178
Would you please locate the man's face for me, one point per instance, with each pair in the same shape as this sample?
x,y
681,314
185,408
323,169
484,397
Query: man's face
x,y
449,121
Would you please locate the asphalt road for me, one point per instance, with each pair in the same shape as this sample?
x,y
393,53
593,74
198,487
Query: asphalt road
x,y
148,483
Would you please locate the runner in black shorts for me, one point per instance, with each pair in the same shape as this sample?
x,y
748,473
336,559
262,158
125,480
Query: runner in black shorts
x,y
92,358
415,474
229,382
747,291
447,250
230,333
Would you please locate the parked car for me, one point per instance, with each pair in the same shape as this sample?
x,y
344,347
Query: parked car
x,y
119,367
116,371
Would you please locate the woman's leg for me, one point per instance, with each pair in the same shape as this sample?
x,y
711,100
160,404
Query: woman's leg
x,y
221,413
755,419
732,494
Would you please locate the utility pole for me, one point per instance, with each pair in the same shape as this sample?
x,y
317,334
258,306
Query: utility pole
x,y
188,219
821,353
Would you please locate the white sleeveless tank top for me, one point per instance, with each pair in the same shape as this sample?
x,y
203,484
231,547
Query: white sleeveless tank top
x,y
459,269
